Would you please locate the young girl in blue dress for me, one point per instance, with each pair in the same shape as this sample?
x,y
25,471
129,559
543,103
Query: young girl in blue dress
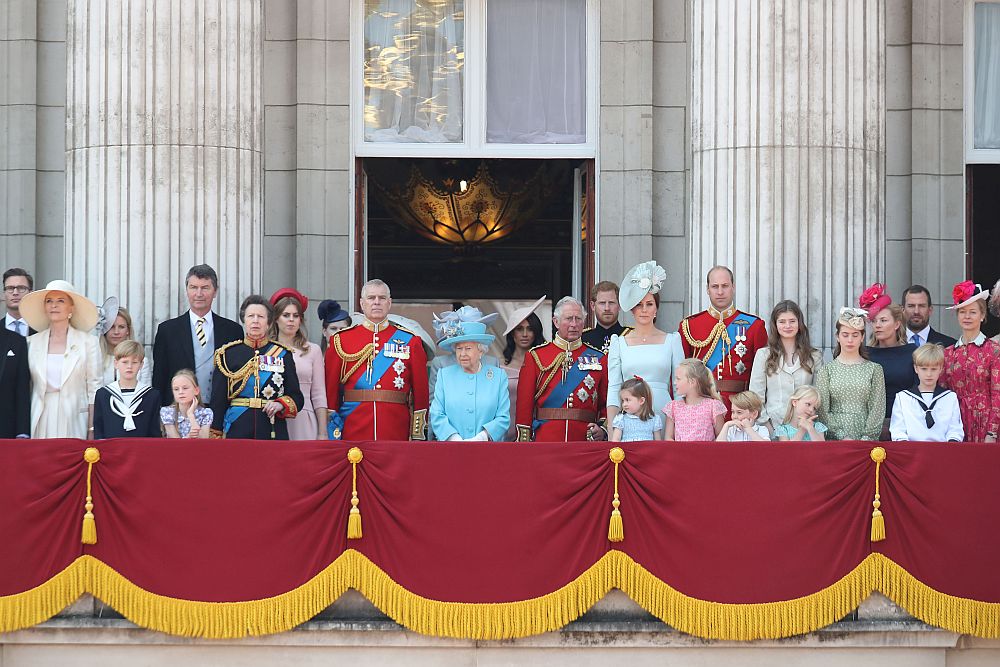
x,y
637,422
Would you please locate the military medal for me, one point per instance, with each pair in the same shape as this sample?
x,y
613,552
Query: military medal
x,y
396,349
740,367
399,367
582,394
589,382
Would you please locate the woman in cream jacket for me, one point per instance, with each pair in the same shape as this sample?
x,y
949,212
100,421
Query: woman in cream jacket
x,y
64,359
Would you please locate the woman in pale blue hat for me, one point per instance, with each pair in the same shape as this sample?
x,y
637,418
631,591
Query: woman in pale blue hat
x,y
646,351
470,397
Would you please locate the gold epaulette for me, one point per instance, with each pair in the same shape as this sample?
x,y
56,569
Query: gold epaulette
x,y
221,351
404,329
588,329
595,349
236,380
626,331
281,345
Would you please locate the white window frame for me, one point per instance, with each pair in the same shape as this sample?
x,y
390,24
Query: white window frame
x,y
973,155
474,142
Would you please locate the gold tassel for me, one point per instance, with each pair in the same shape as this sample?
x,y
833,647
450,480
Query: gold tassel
x,y
616,531
354,455
91,455
878,521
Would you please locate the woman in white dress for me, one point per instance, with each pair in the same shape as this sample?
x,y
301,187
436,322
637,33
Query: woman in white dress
x,y
289,330
64,360
524,331
645,351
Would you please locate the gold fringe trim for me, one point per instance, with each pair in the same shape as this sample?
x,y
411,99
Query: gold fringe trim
x,y
506,620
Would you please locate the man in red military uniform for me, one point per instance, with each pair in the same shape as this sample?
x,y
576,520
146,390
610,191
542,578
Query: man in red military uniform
x,y
725,338
562,389
376,375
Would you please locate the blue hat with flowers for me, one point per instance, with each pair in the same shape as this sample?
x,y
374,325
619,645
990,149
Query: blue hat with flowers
x,y
641,279
466,332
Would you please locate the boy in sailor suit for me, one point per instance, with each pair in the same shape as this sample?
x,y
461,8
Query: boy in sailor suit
x,y
927,412
125,408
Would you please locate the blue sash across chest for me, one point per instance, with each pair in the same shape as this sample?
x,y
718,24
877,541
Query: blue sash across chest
x,y
731,330
251,389
380,364
557,397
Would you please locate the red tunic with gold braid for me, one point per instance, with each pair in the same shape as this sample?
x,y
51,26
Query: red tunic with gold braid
x,y
703,333
545,371
390,407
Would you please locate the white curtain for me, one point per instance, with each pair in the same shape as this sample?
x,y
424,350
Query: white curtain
x,y
413,68
987,92
536,71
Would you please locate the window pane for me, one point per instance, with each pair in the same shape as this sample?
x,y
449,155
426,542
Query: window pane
x,y
413,69
987,121
536,71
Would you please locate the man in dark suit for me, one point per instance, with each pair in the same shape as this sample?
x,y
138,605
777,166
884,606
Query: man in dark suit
x,y
918,309
16,284
190,341
15,386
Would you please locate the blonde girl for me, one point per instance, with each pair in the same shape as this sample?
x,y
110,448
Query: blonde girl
x,y
186,417
636,422
800,419
699,413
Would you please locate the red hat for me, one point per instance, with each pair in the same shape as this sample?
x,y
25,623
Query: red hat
x,y
293,293
874,299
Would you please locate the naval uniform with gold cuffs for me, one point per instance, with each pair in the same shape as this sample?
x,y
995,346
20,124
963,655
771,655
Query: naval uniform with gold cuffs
x,y
249,374
562,387
376,383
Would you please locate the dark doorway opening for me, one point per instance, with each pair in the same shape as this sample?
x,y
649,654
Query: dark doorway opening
x,y
983,229
449,230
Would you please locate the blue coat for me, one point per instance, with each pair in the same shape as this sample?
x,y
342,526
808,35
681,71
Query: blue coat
x,y
467,403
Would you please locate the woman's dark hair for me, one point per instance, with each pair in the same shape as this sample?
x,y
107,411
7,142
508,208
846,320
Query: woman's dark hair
x,y
256,300
535,325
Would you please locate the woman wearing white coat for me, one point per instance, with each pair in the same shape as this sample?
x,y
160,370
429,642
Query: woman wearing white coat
x,y
64,359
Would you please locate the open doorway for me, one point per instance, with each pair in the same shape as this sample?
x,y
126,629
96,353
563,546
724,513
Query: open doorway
x,y
982,230
494,233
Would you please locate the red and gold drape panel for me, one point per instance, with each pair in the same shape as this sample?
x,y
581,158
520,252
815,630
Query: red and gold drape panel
x,y
737,541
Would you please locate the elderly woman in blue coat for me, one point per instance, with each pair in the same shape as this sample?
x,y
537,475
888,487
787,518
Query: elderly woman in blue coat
x,y
470,400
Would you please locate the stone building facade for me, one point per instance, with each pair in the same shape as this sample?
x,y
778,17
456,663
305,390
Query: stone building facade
x,y
789,139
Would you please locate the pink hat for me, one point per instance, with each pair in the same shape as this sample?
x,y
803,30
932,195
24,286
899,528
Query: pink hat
x,y
874,299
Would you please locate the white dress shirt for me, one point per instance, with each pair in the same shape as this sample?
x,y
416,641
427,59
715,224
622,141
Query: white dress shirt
x,y
207,327
923,333
18,326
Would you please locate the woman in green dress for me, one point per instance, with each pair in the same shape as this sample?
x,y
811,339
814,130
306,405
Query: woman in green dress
x,y
851,388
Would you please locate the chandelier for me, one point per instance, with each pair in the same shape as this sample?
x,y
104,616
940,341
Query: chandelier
x,y
444,203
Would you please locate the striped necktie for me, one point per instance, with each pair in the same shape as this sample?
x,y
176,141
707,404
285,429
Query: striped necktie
x,y
199,330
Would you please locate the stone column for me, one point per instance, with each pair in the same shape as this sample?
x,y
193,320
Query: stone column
x,y
163,139
788,152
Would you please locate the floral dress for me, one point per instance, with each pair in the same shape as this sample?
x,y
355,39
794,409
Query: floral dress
x,y
972,371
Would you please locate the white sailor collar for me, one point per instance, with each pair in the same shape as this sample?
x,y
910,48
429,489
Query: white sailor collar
x,y
977,341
